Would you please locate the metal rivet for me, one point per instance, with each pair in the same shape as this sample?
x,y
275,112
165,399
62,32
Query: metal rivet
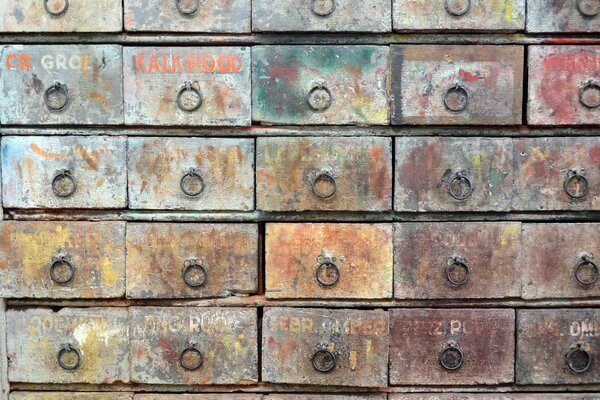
x,y
56,97
190,180
452,9
585,262
187,11
457,263
588,8
459,179
194,266
323,361
323,8
579,360
63,184
58,262
319,97
189,98
58,13
452,357
68,365
589,94
576,184
191,358
456,98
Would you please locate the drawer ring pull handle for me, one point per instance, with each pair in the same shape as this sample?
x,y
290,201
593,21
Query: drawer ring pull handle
x,y
578,359
323,361
63,184
56,97
187,11
457,263
191,358
69,365
456,98
194,273
323,8
58,13
459,178
61,262
319,97
591,86
324,186
585,262
582,187
193,98
187,182
457,12
588,8
328,272
452,357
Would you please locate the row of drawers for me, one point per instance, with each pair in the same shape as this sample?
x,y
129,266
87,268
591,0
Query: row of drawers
x,y
208,346
298,85
451,260
421,396
242,16
301,173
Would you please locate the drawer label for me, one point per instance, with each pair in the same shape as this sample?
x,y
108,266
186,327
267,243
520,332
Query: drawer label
x,y
191,63
364,327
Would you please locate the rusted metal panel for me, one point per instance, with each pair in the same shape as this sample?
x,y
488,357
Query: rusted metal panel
x,y
321,15
191,173
61,16
326,397
208,16
194,345
61,84
555,346
62,259
563,16
452,346
229,396
325,347
556,174
192,86
64,172
70,396
454,260
496,396
457,85
320,85
191,260
329,261
453,174
73,345
459,15
324,174
564,85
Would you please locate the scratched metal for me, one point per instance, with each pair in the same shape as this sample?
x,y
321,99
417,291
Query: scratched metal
x,y
419,336
321,16
425,251
499,396
92,75
37,336
558,76
154,77
426,168
69,396
199,397
543,165
212,16
422,76
28,251
225,337
357,171
356,77
157,166
545,337
31,163
157,255
362,253
562,16
325,397
358,339
473,15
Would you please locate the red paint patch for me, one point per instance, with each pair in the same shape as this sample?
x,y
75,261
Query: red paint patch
x,y
595,155
467,76
283,72
272,341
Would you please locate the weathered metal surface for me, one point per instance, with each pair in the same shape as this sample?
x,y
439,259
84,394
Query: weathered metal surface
x,y
326,397
560,261
191,260
556,174
222,340
38,337
191,86
328,261
433,174
199,397
453,260
563,16
209,16
450,85
64,172
61,84
69,396
73,16
320,85
321,16
422,337
223,173
545,338
459,15
85,259
496,396
4,384
564,85
326,174
353,344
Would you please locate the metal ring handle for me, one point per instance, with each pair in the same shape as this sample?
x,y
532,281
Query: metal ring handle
x,y
62,175
56,262
192,173
69,349
582,7
458,90
457,13
328,272
593,85
191,265
323,8
56,13
458,262
319,97
189,87
460,176
57,89
456,362
324,177
574,356
572,176
585,262
187,12
191,349
323,361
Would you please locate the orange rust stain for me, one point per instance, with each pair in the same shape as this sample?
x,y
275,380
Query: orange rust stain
x,y
90,159
45,154
97,97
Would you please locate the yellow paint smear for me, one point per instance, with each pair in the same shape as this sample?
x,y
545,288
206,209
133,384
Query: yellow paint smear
x,y
38,249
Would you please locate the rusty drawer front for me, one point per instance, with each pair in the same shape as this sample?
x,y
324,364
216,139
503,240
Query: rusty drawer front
x,y
325,397
422,338
61,84
192,86
459,15
320,85
499,396
457,260
563,16
324,174
67,260
322,16
208,16
351,344
69,396
557,174
329,261
548,339
171,260
228,396
564,85
64,172
39,338
457,85
216,174
168,344
433,174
